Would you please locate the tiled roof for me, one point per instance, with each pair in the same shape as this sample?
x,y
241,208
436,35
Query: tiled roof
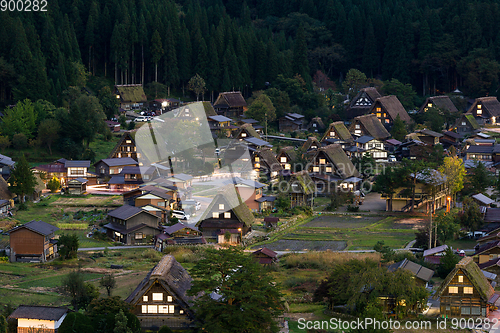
x,y
119,161
39,227
419,271
38,312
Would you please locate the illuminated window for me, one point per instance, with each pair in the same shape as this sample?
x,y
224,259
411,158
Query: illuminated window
x,y
429,105
221,206
379,109
322,161
357,126
171,309
468,290
128,141
385,114
479,111
181,311
163,309
152,308
144,298
479,106
288,166
453,290
387,121
315,169
332,133
283,159
138,235
227,215
257,159
460,278
144,309
314,124
157,297
314,147
328,169
243,135
169,298
257,165
215,215
379,114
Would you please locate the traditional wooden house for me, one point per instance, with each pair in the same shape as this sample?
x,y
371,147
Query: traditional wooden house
x,y
181,180
271,222
492,215
449,139
466,125
125,147
387,108
337,133
426,136
6,194
301,189
113,126
131,96
35,318
266,164
132,225
482,200
160,299
492,266
230,104
291,122
5,208
220,124
316,125
465,291
434,255
77,186
250,191
249,136
131,177
156,196
227,213
362,102
442,102
162,105
430,192
372,147
108,167
6,166
33,241
65,170
486,110
480,153
368,125
487,252
330,168
422,274
178,234
287,156
265,256
311,145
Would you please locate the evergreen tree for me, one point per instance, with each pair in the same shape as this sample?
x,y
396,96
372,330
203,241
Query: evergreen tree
x,y
22,180
171,68
370,54
300,64
398,130
3,324
156,51
121,323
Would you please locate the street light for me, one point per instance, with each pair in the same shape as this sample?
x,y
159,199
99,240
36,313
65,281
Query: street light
x,y
241,235
448,204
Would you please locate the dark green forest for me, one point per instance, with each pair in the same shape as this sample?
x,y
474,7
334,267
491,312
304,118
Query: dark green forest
x,y
435,45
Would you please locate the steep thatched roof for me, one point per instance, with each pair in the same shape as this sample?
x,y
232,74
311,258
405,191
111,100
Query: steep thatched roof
x,y
318,121
372,125
470,269
5,194
233,99
489,104
468,118
310,141
441,102
289,151
209,109
339,128
306,184
393,107
169,274
362,102
126,136
267,155
248,128
230,195
131,93
340,161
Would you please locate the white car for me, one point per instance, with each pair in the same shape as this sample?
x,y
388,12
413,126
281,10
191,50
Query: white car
x,y
391,158
181,215
141,119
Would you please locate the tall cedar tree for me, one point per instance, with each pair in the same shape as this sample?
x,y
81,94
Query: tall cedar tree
x,y
22,179
398,130
249,301
300,64
156,51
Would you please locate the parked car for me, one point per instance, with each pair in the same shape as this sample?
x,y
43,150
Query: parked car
x,y
391,158
181,215
141,119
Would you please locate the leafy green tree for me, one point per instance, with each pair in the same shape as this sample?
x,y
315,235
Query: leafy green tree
x,y
3,324
398,130
387,182
102,313
197,85
280,100
108,281
19,141
121,323
21,119
262,109
365,164
22,180
84,120
447,263
165,329
454,170
80,292
4,142
354,81
386,251
470,217
447,226
76,322
412,168
54,184
108,101
480,71
48,132
68,246
249,301
478,179
404,92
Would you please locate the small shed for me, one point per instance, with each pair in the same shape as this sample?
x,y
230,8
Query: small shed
x,y
265,256
46,319
482,200
77,186
271,222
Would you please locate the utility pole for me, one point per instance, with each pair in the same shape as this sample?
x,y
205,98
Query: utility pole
x,y
430,230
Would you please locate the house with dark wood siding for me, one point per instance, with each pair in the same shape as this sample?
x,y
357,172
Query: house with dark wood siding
x,y
33,241
230,104
439,102
125,147
486,110
132,225
160,299
387,108
362,102
368,125
130,96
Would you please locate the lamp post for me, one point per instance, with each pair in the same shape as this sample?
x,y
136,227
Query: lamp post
x,y
241,235
448,204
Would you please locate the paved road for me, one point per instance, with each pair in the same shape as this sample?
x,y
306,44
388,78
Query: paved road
x,y
115,248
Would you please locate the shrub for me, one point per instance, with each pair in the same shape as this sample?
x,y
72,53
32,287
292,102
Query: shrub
x,y
151,254
352,208
4,142
22,206
20,141
53,185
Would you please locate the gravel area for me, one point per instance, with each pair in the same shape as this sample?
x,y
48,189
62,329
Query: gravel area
x,y
298,245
